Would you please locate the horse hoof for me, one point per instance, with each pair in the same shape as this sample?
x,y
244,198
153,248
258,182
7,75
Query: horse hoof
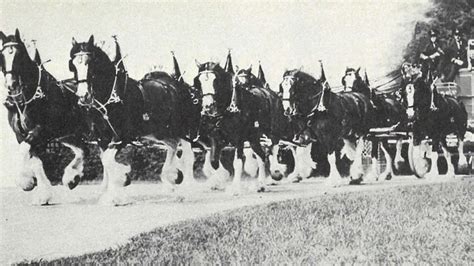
x,y
111,199
72,184
27,184
357,181
277,175
43,197
297,180
388,177
179,177
333,181
128,181
234,190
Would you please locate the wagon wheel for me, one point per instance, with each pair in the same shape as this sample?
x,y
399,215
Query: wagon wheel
x,y
419,164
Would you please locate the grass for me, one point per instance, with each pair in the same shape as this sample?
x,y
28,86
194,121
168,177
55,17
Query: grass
x,y
417,224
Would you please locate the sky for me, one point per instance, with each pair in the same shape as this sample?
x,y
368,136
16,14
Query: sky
x,y
280,34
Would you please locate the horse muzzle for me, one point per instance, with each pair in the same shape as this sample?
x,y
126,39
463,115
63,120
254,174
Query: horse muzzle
x,y
85,101
410,113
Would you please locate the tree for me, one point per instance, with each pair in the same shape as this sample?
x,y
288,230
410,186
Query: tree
x,y
445,16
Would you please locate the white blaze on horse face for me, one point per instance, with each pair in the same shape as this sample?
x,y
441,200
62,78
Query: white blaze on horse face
x,y
410,93
207,86
349,79
81,62
242,79
286,84
9,53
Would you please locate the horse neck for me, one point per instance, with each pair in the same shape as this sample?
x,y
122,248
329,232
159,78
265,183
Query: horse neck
x,y
103,80
29,75
315,98
361,86
422,97
224,90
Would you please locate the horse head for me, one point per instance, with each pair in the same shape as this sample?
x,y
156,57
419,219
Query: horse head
x,y
303,91
216,87
22,74
93,71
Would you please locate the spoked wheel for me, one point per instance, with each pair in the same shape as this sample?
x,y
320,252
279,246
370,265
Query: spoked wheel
x,y
419,164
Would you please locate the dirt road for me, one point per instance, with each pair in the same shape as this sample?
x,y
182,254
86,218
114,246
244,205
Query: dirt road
x,y
77,224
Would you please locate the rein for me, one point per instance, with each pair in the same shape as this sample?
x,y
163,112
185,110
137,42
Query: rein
x,y
39,94
113,98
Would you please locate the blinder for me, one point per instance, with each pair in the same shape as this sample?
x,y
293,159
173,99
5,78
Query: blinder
x,y
72,68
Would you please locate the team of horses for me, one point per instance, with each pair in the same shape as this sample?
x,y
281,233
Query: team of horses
x,y
317,126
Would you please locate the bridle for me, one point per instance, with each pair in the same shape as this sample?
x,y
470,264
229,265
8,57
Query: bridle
x,y
308,118
112,99
19,99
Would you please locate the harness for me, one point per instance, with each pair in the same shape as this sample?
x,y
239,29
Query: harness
x,y
113,98
21,107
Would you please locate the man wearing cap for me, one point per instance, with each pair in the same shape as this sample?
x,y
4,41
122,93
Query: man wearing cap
x,y
431,56
457,54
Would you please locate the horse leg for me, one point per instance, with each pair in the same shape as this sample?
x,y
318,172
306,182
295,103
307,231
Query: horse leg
x,y
105,175
262,173
33,175
44,192
307,163
447,156
277,170
334,178
170,172
399,160
387,174
235,188
356,169
26,177
373,174
116,178
462,162
434,173
216,177
187,164
294,177
74,170
250,163
301,168
348,150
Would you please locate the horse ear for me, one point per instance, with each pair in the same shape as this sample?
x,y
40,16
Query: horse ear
x,y
71,66
343,81
2,37
37,58
357,71
74,42
250,68
17,35
236,68
197,63
91,41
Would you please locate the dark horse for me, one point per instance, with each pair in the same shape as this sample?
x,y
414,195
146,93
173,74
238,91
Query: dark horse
x,y
450,117
254,112
389,115
246,81
328,118
121,110
39,111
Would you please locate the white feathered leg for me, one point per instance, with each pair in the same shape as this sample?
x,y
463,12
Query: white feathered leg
x,y
74,170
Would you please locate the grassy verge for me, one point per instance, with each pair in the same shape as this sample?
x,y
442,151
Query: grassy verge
x,y
419,224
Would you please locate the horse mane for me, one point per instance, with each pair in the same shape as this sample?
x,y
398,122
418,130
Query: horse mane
x,y
157,75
